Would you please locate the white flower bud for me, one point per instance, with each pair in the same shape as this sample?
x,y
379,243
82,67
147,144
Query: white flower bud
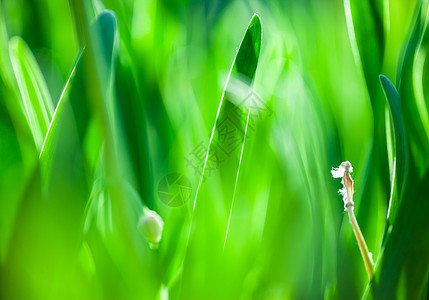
x,y
150,226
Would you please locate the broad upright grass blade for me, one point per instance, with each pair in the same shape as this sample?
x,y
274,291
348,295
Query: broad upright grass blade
x,y
406,61
367,38
104,50
243,66
403,268
364,20
411,76
404,254
245,63
103,39
399,141
36,101
112,212
365,27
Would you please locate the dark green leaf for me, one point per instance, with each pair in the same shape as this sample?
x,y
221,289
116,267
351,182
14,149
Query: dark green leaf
x,y
399,140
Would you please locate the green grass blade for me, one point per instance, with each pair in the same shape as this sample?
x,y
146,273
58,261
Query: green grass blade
x,y
53,131
73,128
104,50
66,175
411,94
244,64
365,27
247,57
367,38
403,256
402,272
17,151
112,212
6,70
237,176
410,47
399,141
35,98
103,41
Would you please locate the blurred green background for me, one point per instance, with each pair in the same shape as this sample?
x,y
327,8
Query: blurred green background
x,y
109,108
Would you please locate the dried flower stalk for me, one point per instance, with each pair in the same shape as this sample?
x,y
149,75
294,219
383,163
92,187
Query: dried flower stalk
x,y
343,171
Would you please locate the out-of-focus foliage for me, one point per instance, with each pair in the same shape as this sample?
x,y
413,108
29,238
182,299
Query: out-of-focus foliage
x,y
113,112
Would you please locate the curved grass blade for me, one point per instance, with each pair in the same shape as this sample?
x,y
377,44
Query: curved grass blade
x,y
413,41
46,150
402,272
419,82
367,38
244,65
66,176
400,161
410,73
112,212
365,28
103,36
35,99
104,49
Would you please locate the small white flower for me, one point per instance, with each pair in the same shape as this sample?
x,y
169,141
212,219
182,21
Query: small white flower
x,y
151,226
